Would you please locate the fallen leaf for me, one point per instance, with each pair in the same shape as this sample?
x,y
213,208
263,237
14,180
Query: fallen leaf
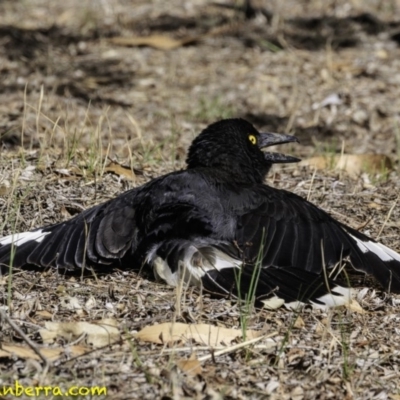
x,y
383,55
162,42
70,303
61,289
347,66
201,333
191,367
353,164
72,170
90,303
52,354
5,187
272,386
98,334
295,355
27,173
44,314
120,170
65,213
273,303
331,100
374,205
297,393
63,171
157,41
320,329
299,323
355,306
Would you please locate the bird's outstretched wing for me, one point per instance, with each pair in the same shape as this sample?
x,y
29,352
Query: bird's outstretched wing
x,y
124,231
99,236
289,231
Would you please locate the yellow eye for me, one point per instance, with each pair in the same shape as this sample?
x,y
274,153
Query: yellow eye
x,y
253,139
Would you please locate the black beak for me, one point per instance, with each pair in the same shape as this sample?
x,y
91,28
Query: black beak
x,y
270,139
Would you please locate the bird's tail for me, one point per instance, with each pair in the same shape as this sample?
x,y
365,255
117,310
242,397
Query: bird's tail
x,y
218,269
376,259
272,287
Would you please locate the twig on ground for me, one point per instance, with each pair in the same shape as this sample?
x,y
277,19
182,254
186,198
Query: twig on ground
x,y
29,342
236,347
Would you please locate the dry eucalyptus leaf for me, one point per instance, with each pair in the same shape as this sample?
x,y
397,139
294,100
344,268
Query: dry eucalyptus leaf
x,y
299,323
297,393
191,367
295,355
100,333
353,164
273,303
331,100
5,187
201,333
355,306
27,173
374,205
119,170
90,303
157,41
52,354
70,171
44,314
320,329
70,303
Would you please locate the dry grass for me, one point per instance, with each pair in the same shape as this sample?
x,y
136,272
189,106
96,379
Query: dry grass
x,y
75,102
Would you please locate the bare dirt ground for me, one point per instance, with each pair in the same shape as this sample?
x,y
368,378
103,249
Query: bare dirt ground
x,y
84,116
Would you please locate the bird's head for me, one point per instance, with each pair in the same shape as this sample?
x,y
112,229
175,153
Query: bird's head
x,y
234,146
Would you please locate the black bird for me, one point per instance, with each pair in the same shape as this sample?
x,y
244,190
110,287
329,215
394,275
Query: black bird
x,y
217,225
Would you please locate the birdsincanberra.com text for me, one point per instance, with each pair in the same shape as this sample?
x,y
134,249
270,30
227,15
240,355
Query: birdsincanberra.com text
x,y
19,390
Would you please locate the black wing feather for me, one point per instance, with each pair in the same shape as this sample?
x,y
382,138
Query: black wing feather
x,y
101,235
309,237
289,284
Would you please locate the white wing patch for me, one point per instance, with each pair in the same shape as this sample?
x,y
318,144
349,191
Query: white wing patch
x,y
341,297
383,252
20,238
295,305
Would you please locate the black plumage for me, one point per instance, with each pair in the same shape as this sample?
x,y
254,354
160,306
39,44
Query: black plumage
x,y
215,224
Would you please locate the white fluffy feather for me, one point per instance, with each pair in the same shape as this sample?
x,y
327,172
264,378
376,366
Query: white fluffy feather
x,y
187,271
